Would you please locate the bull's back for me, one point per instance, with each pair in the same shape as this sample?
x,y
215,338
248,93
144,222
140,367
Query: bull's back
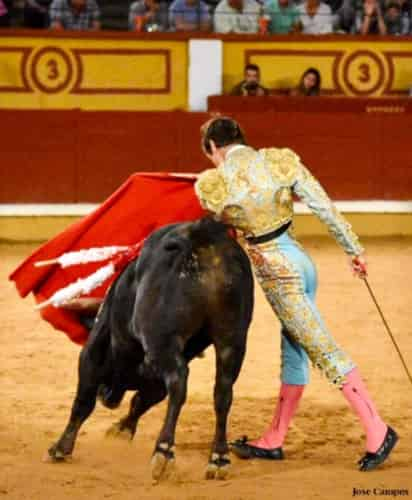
x,y
192,271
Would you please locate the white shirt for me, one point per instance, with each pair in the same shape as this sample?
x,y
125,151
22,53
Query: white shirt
x,y
229,20
320,23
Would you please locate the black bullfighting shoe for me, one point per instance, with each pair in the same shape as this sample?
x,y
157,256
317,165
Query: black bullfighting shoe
x,y
371,460
242,449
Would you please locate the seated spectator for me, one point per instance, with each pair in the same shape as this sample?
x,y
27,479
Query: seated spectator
x,y
405,5
370,21
316,17
309,85
397,23
148,15
36,13
250,86
4,15
237,16
346,16
189,15
284,16
79,15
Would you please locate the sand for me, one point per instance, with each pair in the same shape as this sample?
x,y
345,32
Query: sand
x,y
38,379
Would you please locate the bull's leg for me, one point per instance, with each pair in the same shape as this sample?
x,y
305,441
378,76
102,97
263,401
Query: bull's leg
x,y
90,376
175,372
150,393
228,363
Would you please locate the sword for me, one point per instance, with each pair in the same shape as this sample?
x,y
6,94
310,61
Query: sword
x,y
388,330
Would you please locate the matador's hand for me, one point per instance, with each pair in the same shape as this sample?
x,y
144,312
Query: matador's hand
x,y
358,265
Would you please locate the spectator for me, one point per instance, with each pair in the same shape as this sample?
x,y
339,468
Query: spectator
x,y
316,17
237,16
250,86
309,85
397,23
4,15
370,21
148,15
346,16
79,15
405,5
36,13
189,15
284,16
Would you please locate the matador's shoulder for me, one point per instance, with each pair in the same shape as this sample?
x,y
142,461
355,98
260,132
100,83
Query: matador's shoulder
x,y
211,189
283,163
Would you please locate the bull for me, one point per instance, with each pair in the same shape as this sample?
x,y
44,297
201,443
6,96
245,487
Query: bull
x,y
191,287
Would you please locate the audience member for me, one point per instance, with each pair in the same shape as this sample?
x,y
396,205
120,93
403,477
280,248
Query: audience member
x,y
397,23
237,16
370,20
250,86
309,85
148,15
79,15
346,16
36,13
189,15
405,5
284,16
316,17
4,15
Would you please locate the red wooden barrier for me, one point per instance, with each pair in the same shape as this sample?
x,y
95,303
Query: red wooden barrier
x,y
73,156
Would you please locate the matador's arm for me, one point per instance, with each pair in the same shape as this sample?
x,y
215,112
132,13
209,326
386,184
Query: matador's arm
x,y
308,189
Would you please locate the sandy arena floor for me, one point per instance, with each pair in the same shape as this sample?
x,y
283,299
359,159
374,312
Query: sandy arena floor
x,y
38,379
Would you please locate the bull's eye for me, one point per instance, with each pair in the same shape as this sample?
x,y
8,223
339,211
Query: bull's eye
x,y
172,246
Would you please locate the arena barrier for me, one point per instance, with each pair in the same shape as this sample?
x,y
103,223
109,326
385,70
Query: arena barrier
x,y
72,157
76,156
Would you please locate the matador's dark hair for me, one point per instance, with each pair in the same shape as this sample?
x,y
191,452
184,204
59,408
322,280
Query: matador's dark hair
x,y
223,131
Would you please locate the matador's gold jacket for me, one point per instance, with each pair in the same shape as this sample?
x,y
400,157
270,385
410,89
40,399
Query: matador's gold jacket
x,y
253,191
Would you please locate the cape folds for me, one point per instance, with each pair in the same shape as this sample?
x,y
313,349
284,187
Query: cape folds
x,y
145,202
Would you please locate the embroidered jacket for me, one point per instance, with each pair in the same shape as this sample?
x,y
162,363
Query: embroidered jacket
x,y
253,191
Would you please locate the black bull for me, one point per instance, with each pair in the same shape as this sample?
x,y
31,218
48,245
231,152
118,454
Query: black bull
x,y
191,287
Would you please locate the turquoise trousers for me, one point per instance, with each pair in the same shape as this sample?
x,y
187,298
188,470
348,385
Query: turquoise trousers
x,y
288,277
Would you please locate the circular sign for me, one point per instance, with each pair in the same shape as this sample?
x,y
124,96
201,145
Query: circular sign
x,y
363,72
51,70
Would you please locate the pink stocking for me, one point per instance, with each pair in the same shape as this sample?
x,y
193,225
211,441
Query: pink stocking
x,y
356,394
289,397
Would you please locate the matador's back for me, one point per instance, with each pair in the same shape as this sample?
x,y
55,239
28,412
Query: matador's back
x,y
253,191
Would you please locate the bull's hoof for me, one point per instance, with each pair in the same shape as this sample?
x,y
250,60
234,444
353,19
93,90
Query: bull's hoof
x,y
120,431
218,467
163,462
56,455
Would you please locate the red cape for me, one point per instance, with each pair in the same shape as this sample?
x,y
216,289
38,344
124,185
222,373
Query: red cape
x,y
142,204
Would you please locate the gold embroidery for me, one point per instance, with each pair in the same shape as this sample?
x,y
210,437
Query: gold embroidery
x,y
252,190
283,288
284,202
211,190
283,164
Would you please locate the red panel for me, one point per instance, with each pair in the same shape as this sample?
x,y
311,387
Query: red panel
x,y
71,156
113,145
37,156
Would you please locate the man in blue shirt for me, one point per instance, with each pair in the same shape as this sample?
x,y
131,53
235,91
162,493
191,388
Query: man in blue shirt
x,y
189,15
79,15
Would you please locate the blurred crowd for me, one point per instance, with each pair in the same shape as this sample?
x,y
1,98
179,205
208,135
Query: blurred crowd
x,y
375,17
